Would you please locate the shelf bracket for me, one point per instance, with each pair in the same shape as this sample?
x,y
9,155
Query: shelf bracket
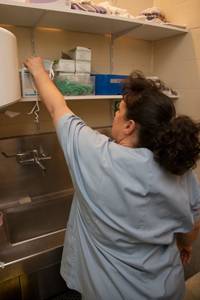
x,y
114,103
32,32
116,36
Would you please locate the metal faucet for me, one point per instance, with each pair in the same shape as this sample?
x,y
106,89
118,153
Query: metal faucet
x,y
30,157
40,165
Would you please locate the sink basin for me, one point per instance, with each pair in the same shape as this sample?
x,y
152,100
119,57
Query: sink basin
x,y
30,221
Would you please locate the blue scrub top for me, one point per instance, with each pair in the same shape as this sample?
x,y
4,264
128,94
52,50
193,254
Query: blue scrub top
x,y
120,240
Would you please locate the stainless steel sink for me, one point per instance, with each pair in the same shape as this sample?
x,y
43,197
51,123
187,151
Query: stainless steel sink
x,y
34,220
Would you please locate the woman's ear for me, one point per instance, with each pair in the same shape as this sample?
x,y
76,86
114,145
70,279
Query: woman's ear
x,y
130,127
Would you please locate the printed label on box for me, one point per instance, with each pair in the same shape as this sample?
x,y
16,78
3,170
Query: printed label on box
x,y
28,90
83,66
64,65
80,53
27,87
114,80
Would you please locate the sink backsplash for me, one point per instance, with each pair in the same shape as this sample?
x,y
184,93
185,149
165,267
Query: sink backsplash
x,y
18,181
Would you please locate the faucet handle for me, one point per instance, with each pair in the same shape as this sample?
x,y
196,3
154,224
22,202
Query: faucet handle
x,y
30,157
7,156
34,152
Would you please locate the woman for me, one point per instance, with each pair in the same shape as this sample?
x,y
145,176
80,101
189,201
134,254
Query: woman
x,y
136,199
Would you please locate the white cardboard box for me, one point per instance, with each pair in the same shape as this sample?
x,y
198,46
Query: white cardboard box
x,y
27,87
64,65
82,66
80,53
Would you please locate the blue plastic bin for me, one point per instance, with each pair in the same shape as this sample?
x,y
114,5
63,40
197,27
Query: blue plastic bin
x,y
108,84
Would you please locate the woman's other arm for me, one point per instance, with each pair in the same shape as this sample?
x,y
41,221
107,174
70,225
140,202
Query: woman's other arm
x,y
184,243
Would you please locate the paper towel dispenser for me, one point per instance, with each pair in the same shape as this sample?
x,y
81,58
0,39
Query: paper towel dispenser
x,y
10,91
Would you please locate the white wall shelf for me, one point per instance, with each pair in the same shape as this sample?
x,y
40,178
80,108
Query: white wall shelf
x,y
40,15
86,97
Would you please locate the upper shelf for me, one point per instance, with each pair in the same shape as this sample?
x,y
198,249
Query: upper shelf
x,y
35,15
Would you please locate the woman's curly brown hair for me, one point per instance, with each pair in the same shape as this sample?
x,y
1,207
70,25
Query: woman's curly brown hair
x,y
174,141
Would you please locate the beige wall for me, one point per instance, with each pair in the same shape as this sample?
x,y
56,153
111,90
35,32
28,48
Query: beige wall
x,y
133,7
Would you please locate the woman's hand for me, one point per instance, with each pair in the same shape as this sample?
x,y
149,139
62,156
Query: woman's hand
x,y
185,253
34,65
184,243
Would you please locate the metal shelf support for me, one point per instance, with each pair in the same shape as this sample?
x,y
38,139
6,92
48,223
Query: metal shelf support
x,y
113,38
32,32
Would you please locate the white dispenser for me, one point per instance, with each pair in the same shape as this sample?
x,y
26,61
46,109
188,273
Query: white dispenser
x,y
10,91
